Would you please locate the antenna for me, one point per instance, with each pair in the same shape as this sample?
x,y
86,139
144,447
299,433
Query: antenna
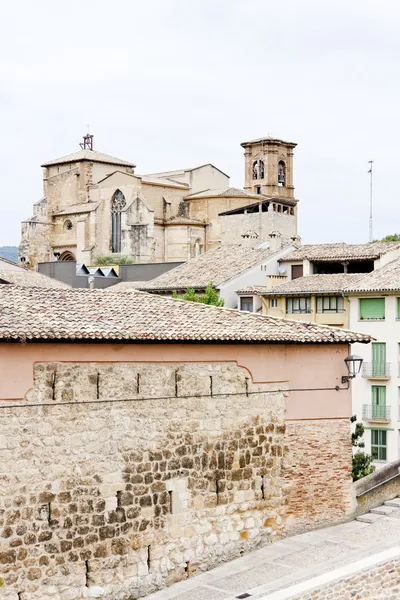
x,y
370,162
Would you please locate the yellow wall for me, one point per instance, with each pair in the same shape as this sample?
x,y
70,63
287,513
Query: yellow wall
x,y
335,319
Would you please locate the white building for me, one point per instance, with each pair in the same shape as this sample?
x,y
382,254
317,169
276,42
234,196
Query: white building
x,y
374,308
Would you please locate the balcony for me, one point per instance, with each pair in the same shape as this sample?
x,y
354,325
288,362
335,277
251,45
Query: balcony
x,y
376,413
376,370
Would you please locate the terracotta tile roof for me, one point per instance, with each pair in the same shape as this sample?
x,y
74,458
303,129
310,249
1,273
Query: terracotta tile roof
x,y
25,278
230,192
384,279
343,251
38,314
217,265
253,290
126,286
315,284
90,155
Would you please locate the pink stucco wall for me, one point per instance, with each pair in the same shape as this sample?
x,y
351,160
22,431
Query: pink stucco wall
x,y
301,366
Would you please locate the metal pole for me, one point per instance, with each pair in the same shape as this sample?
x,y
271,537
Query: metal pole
x,y
370,162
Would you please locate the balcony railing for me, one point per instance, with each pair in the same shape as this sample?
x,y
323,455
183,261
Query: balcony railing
x,y
376,370
375,413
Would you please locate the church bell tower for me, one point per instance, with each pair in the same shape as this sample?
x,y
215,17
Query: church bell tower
x,y
269,167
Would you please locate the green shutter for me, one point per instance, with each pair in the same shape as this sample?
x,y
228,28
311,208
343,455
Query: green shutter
x,y
372,308
378,401
398,308
378,359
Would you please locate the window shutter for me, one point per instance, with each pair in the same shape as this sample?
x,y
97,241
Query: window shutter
x,y
372,308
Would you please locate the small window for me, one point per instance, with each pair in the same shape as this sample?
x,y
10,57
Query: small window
x,y
378,444
398,308
372,309
68,225
297,271
246,303
298,306
273,303
258,190
330,304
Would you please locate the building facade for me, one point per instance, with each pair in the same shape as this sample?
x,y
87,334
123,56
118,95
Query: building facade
x,y
137,451
95,204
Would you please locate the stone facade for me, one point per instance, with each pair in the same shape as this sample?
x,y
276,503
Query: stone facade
x,y
122,478
165,217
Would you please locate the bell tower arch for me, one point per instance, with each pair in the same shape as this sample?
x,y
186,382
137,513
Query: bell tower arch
x,y
269,167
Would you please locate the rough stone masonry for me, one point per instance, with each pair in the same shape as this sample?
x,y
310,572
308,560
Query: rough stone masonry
x,y
105,493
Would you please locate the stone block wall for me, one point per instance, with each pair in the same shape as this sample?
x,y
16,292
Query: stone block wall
x,y
113,499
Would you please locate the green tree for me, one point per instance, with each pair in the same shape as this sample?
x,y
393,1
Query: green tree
x,y
393,237
361,463
210,296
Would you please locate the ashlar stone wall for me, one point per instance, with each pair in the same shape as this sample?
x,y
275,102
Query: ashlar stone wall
x,y
106,493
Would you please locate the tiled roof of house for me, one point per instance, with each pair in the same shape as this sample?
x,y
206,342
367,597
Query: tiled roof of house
x,y
253,290
384,279
25,278
38,314
314,284
217,265
91,155
322,252
126,286
230,192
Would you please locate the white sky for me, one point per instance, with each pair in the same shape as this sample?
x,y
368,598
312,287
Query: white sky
x,y
176,83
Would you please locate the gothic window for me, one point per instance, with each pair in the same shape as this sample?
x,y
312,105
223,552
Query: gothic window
x,y
281,173
117,206
261,168
255,170
68,225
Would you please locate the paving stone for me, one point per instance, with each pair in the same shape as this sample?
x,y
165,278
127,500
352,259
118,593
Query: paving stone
x,y
383,510
369,518
394,502
202,593
315,554
242,582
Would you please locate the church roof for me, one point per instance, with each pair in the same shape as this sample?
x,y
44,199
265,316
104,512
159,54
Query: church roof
x,y
75,209
37,314
230,192
170,174
268,140
216,266
89,155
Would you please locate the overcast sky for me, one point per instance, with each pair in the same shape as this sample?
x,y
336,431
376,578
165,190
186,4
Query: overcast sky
x,y
177,83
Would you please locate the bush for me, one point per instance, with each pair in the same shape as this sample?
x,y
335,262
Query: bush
x,y
114,259
209,297
361,462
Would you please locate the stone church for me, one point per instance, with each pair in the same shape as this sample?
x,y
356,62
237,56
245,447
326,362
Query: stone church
x,y
95,204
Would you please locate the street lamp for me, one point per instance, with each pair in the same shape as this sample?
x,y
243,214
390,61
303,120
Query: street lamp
x,y
353,364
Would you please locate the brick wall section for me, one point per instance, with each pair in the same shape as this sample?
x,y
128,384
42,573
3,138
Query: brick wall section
x,y
127,497
317,474
379,583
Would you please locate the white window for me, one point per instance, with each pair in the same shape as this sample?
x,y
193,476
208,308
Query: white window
x,y
273,302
